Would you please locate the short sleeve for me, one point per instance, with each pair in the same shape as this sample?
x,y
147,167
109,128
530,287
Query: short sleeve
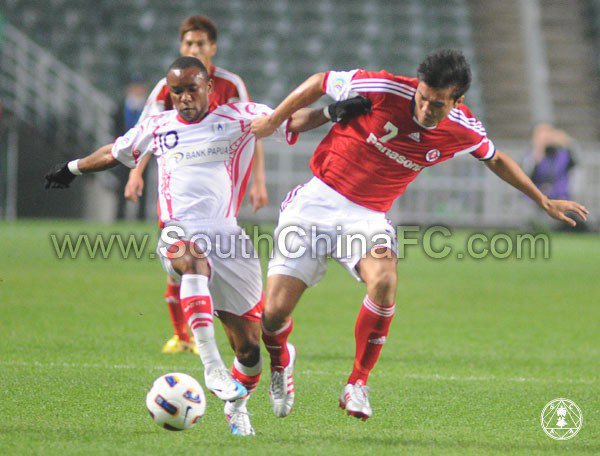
x,y
242,111
254,110
472,134
337,84
485,150
133,145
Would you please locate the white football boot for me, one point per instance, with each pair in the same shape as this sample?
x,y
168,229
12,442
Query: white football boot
x,y
238,417
219,381
281,389
355,400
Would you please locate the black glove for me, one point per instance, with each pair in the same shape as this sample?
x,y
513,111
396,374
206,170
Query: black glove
x,y
342,111
59,176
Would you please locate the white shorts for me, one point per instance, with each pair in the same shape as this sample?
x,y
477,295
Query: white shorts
x,y
235,282
317,223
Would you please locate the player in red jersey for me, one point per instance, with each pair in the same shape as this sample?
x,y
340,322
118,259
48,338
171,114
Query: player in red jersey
x,y
360,168
198,38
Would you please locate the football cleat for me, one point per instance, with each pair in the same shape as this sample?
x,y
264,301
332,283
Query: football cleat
x,y
281,389
176,345
220,383
355,400
238,418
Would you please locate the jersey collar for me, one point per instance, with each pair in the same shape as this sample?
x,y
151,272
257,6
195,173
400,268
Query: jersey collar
x,y
185,122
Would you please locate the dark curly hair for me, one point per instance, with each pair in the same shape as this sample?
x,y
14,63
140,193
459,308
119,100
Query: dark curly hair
x,y
446,68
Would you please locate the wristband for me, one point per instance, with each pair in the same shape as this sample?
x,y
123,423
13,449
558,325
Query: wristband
x,y
326,112
74,168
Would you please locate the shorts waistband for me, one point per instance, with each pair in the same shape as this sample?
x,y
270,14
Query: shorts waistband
x,y
329,193
204,223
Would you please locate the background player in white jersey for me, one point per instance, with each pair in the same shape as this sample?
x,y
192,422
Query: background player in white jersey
x,y
360,169
198,38
204,162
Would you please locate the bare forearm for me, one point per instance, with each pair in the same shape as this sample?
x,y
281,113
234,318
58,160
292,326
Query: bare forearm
x,y
306,119
509,171
98,161
141,166
305,94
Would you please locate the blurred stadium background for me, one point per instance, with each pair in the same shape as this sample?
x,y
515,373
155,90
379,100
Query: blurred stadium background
x,y
64,64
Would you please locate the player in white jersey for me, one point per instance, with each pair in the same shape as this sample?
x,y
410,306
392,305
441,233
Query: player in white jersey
x,y
197,38
204,161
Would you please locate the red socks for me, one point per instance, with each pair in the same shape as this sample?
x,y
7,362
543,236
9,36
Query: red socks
x,y
276,344
247,376
370,332
178,320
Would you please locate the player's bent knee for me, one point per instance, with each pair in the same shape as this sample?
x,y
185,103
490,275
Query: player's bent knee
x,y
384,282
248,354
273,319
191,264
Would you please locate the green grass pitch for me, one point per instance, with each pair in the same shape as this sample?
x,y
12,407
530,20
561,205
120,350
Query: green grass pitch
x,y
476,349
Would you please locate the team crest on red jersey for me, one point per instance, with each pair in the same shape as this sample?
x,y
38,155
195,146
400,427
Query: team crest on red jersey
x,y
432,155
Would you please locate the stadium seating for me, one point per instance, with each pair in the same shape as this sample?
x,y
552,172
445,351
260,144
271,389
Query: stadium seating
x,y
273,45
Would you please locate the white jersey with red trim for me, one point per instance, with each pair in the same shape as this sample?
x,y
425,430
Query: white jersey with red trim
x,y
203,167
372,158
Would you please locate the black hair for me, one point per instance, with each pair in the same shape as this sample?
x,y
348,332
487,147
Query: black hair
x,y
446,68
189,62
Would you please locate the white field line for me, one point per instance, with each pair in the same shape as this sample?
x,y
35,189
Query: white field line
x,y
171,368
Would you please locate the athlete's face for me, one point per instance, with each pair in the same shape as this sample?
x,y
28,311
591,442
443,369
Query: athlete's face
x,y
196,43
189,91
433,105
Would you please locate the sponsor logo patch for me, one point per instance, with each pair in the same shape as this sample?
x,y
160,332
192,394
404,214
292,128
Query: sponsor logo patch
x,y
202,153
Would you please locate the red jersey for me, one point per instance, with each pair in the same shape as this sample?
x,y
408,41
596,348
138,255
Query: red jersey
x,y
372,158
227,88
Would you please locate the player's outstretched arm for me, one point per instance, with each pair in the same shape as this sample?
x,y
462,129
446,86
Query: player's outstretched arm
x,y
305,94
135,183
306,119
509,171
62,174
341,111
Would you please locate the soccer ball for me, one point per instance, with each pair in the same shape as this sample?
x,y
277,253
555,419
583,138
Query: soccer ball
x,y
176,401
